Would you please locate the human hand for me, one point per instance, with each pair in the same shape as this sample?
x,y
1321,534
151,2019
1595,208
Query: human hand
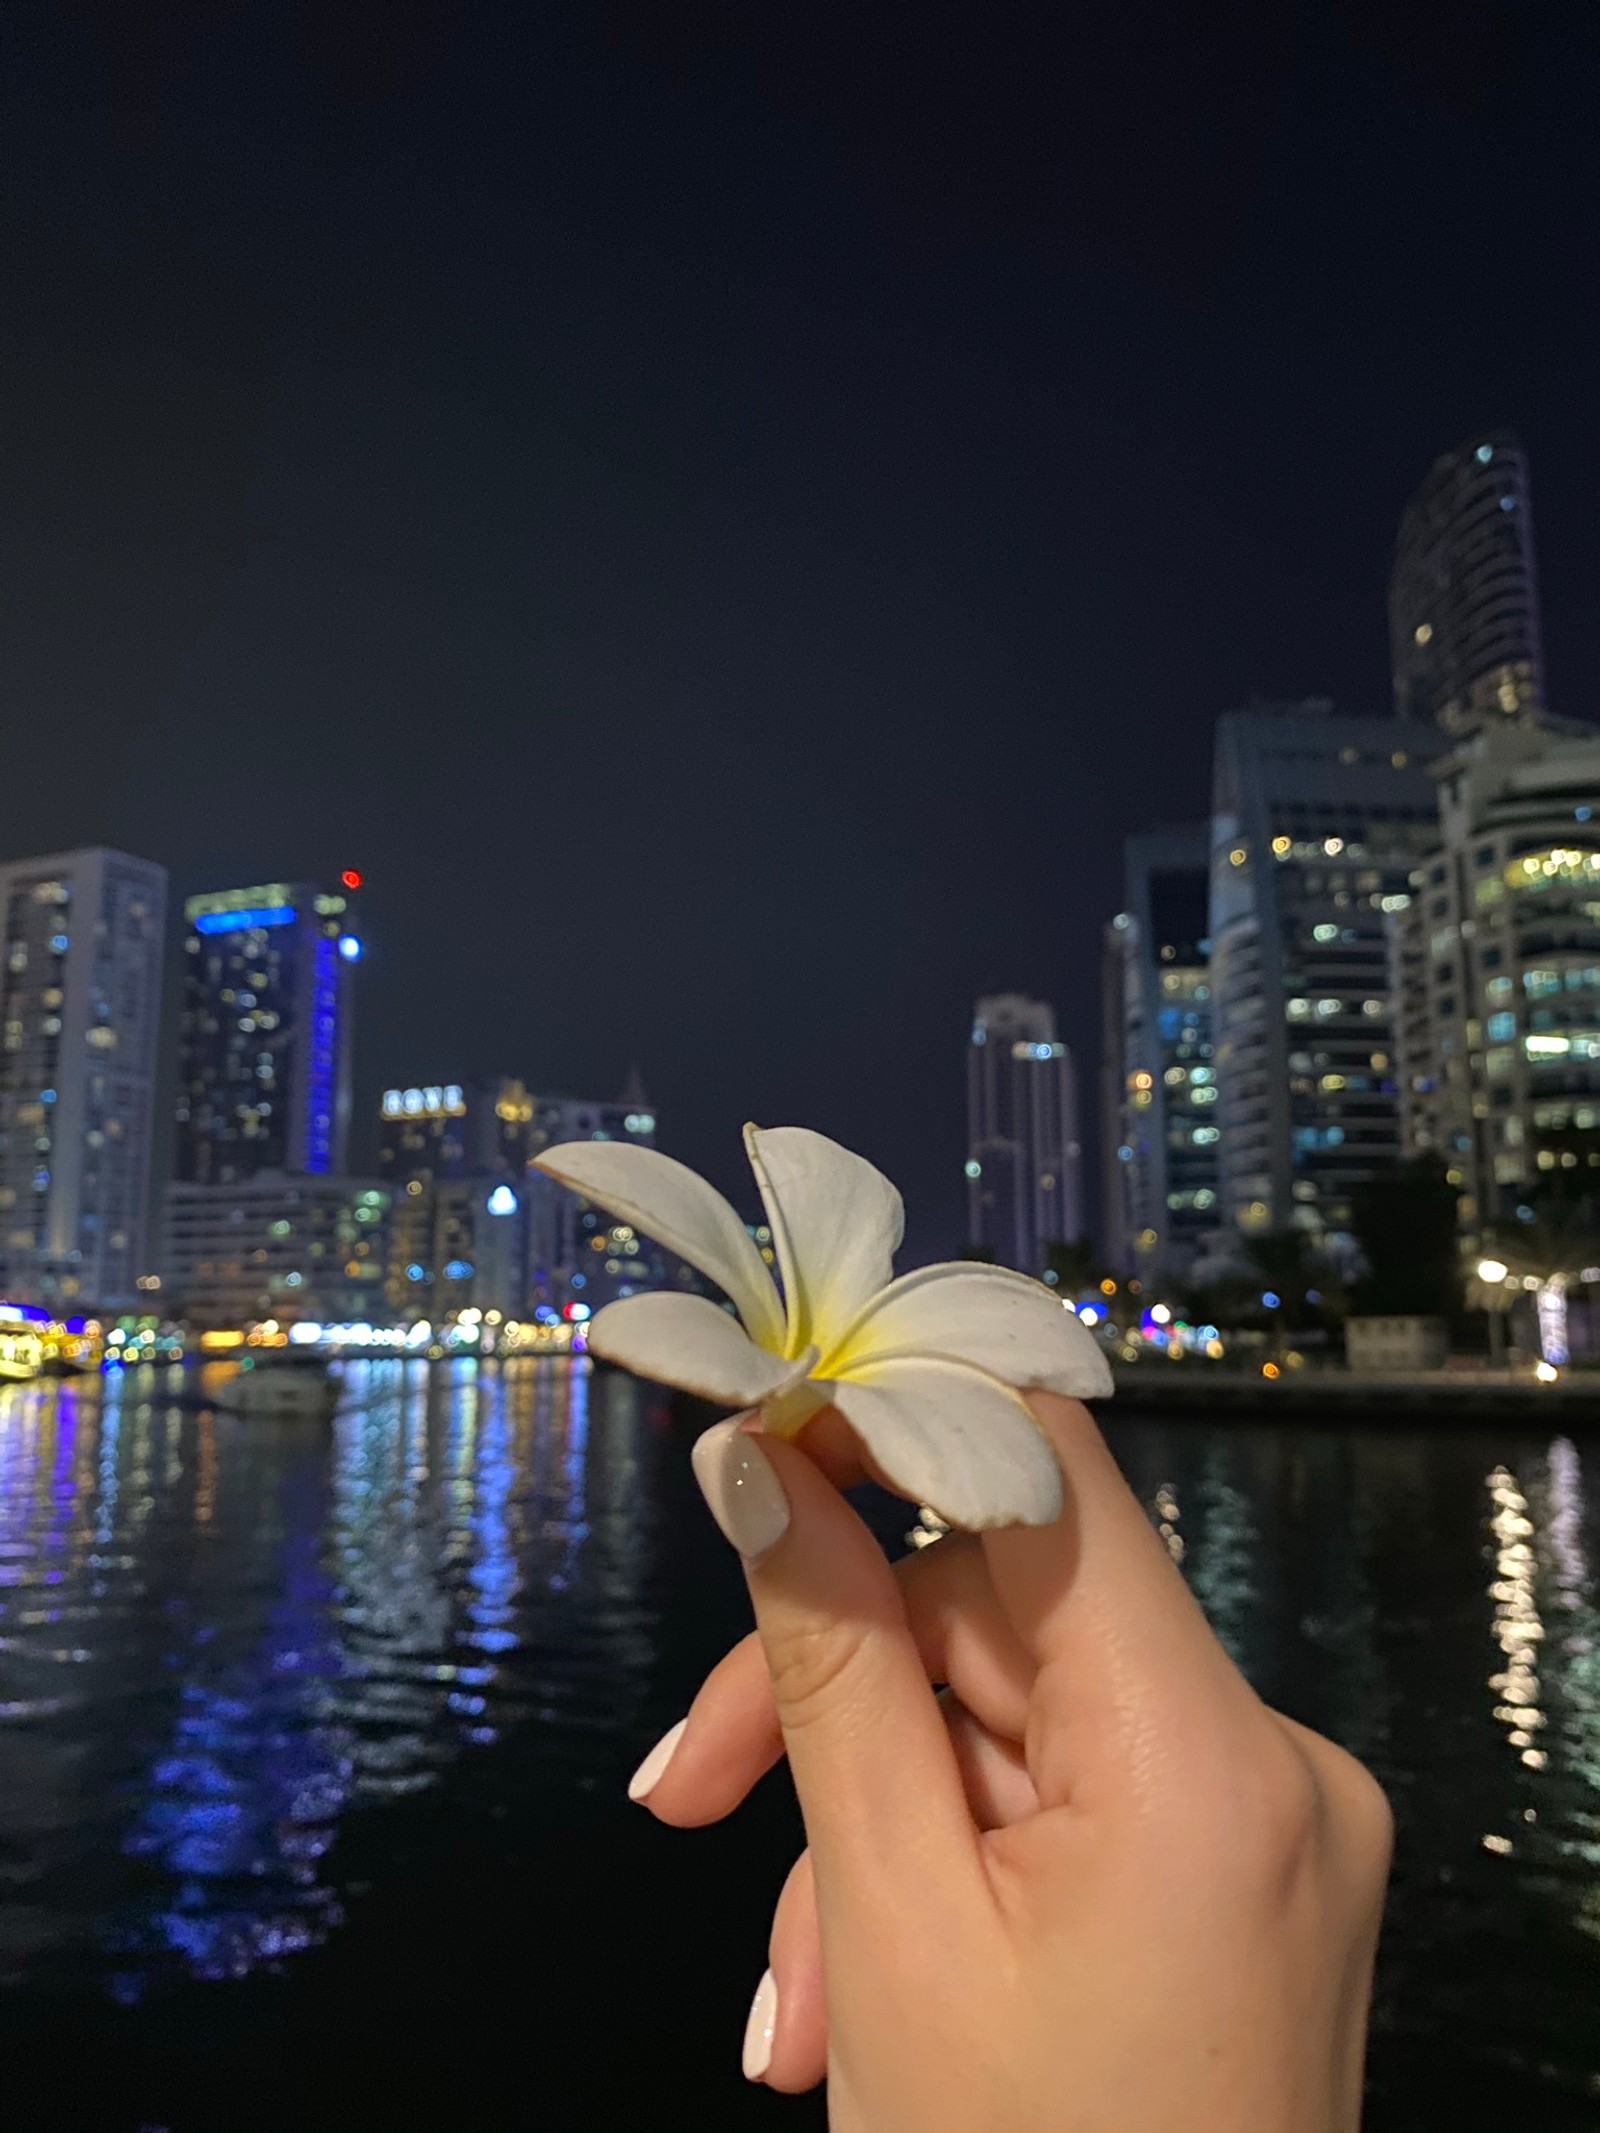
x,y
1095,1886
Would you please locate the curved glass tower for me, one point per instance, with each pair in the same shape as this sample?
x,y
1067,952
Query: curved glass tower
x,y
1464,639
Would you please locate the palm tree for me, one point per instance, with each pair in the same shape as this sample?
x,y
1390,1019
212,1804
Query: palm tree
x,y
1555,1237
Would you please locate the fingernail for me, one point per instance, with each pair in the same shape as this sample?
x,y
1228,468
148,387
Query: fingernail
x,y
742,1488
648,1775
758,2030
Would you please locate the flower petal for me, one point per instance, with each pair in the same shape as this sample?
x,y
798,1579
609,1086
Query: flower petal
x,y
836,1224
691,1342
667,1201
988,1316
956,1439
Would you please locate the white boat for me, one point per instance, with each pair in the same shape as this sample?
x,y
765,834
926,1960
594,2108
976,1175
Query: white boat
x,y
280,1383
21,1350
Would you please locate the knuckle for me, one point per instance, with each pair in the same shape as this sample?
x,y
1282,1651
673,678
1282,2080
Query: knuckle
x,y
815,1670
1314,1809
1362,1810
1287,1799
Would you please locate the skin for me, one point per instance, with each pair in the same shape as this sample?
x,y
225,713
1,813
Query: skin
x,y
1066,1873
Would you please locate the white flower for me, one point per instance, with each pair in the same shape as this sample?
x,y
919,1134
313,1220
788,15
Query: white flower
x,y
925,1369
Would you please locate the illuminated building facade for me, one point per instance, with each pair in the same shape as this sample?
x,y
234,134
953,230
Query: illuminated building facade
x,y
454,1155
264,1062
1024,1153
1317,824
1498,966
1159,1085
80,967
578,1255
275,1246
1464,635
456,1129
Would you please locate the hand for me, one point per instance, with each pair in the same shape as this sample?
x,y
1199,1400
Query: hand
x,y
1094,1886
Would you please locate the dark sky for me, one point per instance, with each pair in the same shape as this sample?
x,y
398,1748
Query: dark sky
x,y
730,512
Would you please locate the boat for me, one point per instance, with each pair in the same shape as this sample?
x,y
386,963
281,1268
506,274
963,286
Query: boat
x,y
21,1351
286,1383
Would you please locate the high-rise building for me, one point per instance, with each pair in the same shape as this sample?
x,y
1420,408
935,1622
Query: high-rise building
x,y
1464,636
577,1252
1159,1085
264,1065
1024,1156
1498,966
1317,823
271,1246
459,1129
81,978
454,1155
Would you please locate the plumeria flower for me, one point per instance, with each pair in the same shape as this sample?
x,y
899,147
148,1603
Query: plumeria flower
x,y
927,1370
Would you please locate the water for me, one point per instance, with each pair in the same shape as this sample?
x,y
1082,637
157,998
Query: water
x,y
312,1750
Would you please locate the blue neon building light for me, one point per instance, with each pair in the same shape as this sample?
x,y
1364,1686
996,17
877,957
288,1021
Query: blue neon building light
x,y
324,1049
242,921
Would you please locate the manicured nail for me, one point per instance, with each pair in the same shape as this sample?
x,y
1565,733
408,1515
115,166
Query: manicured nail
x,y
648,1775
742,1488
758,2030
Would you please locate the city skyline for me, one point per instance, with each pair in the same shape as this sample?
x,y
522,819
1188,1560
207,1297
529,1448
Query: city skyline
x,y
722,631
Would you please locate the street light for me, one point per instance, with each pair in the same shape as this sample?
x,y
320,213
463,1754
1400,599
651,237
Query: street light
x,y
1493,1272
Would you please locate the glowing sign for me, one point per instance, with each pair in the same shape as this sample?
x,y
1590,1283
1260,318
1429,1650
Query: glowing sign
x,y
351,877
237,921
443,1100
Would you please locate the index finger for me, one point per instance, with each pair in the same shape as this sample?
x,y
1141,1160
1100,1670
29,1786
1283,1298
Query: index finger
x,y
1131,1675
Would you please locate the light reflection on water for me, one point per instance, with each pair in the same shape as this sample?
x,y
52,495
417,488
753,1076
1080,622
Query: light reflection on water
x,y
226,1645
219,1637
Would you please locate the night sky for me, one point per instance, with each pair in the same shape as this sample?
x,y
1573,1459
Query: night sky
x,y
729,513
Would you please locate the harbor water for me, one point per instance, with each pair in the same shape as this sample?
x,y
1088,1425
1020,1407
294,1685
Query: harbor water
x,y
314,1741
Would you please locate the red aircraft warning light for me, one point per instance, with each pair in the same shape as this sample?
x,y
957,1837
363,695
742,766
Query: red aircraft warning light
x,y
351,877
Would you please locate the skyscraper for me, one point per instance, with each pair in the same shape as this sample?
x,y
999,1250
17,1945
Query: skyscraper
x,y
1464,637
577,1252
1023,1150
454,1154
1498,967
264,1066
1159,1085
81,981
1317,823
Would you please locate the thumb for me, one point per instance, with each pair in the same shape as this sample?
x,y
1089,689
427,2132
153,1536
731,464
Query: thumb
x,y
885,1812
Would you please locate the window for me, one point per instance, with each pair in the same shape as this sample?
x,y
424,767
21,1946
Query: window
x,y
1502,1026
